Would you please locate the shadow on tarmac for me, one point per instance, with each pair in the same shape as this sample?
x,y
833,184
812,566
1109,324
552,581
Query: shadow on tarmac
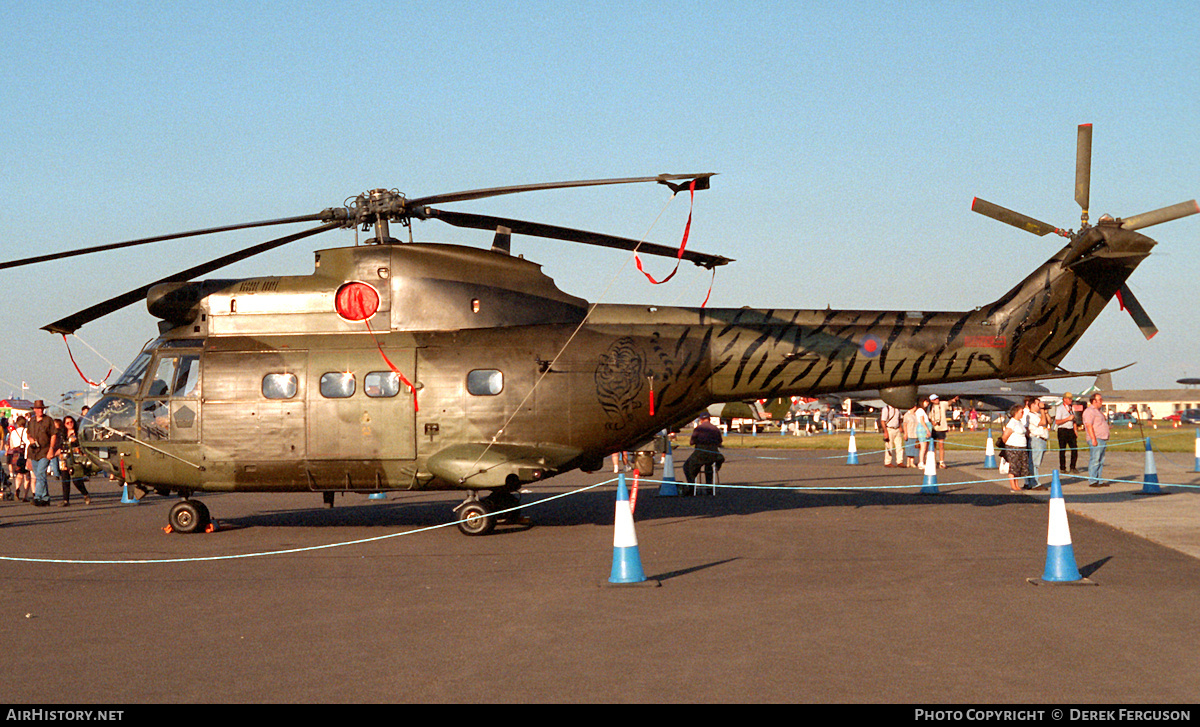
x,y
596,507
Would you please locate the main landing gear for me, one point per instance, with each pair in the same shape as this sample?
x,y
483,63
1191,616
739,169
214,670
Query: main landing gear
x,y
480,517
189,516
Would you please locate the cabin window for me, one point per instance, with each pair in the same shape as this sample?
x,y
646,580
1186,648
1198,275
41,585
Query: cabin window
x,y
485,382
337,385
279,386
379,384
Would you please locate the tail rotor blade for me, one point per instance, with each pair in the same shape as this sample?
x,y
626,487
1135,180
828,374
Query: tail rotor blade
x,y
1158,216
1083,167
1136,311
1016,219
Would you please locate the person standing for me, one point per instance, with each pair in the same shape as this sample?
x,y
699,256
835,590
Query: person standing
x,y
43,443
940,417
909,422
1016,444
72,464
924,427
17,447
1068,438
1095,426
893,436
1038,425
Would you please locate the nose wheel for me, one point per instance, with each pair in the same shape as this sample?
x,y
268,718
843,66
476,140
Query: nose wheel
x,y
188,516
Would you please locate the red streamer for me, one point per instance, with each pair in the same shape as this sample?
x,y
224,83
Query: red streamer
x,y
710,287
392,366
89,381
686,231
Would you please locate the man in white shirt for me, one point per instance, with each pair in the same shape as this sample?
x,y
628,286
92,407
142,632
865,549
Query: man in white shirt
x,y
893,439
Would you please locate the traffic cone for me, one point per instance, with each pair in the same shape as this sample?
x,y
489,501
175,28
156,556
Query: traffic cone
x,y
627,561
1060,555
929,484
852,450
668,487
1150,479
126,499
989,453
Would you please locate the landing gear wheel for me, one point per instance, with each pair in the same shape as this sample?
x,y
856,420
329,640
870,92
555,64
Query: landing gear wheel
x,y
188,516
474,518
501,501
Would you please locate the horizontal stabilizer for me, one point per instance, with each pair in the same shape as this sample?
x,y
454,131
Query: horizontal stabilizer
x,y
1069,374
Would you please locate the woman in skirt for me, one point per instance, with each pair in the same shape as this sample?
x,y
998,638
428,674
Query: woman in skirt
x,y
1016,447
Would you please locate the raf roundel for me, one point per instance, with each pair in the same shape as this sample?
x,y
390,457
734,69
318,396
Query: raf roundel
x,y
870,346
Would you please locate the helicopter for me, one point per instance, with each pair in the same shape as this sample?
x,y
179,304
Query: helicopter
x,y
430,366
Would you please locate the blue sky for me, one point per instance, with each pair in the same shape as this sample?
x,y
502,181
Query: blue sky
x,y
849,138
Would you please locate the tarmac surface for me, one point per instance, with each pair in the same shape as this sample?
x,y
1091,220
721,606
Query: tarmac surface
x,y
804,580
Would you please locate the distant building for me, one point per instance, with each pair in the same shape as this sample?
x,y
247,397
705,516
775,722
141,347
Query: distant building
x,y
1150,403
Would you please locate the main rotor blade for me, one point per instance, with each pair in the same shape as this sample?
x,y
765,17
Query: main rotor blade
x,y
1083,167
1158,216
1136,311
1016,219
158,238
552,232
73,322
497,191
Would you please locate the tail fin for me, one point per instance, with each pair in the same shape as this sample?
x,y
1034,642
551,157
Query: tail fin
x,y
1043,317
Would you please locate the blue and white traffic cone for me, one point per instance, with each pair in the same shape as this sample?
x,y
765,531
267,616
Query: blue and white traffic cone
x,y
627,560
1060,554
126,498
1150,478
929,484
1197,467
989,453
852,449
668,487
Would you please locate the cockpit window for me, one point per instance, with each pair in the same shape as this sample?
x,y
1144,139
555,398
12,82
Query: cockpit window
x,y
175,376
113,417
132,378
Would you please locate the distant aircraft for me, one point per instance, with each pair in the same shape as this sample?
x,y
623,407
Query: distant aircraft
x,y
987,394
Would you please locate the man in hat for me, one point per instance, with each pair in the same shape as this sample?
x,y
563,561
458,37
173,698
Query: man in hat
x,y
706,439
43,444
1068,436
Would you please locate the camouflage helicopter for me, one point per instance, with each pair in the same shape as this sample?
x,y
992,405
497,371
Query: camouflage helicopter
x,y
426,366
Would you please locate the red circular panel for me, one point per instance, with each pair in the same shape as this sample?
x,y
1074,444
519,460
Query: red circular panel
x,y
356,301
